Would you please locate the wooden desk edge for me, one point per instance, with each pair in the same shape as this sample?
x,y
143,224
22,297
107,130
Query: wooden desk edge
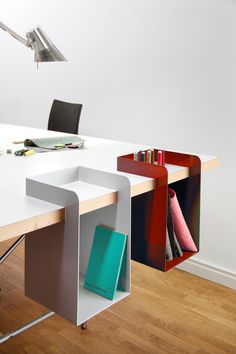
x,y
53,217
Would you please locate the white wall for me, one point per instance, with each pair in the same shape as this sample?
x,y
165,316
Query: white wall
x,y
159,72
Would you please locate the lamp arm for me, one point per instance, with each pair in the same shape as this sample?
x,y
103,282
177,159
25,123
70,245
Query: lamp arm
x,y
14,34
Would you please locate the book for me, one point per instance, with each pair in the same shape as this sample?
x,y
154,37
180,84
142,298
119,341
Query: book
x,y
179,251
173,248
181,229
105,260
170,230
169,254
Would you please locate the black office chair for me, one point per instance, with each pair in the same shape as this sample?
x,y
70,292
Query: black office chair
x,y
64,117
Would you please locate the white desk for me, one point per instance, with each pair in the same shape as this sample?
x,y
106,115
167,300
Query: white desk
x,y
46,282
21,214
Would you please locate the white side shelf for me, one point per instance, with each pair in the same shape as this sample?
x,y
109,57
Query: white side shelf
x,y
91,303
56,257
87,191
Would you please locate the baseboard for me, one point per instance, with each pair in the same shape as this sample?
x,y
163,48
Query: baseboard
x,y
207,271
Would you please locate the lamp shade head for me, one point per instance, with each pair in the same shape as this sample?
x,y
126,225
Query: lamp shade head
x,y
43,47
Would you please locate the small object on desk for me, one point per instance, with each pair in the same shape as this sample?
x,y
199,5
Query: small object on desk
x,y
59,146
50,142
29,153
20,152
160,157
136,156
9,151
73,146
139,155
152,155
143,156
149,156
163,158
18,142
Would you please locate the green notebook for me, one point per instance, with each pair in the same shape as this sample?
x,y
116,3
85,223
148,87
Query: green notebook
x,y
105,261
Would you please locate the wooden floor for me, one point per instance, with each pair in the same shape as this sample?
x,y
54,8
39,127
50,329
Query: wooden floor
x,y
172,312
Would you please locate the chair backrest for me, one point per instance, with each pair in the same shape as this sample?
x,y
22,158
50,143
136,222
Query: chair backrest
x,y
64,117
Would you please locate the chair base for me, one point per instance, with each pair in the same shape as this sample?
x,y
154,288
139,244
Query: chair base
x,y
6,336
11,249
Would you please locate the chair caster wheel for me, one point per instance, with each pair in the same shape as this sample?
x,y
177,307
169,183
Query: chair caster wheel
x,y
84,325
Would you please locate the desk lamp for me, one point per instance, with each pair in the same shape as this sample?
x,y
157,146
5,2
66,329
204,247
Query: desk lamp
x,y
37,40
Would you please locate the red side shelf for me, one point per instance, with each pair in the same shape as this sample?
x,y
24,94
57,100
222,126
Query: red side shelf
x,y
149,210
178,260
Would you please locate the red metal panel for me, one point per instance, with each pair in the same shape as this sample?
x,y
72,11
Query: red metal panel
x,y
149,239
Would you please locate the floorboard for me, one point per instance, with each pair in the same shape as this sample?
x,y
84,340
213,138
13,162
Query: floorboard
x,y
173,312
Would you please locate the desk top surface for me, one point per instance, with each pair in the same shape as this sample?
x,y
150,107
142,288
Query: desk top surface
x,y
98,153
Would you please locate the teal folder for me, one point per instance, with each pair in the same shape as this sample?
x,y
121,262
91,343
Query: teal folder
x,y
105,261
